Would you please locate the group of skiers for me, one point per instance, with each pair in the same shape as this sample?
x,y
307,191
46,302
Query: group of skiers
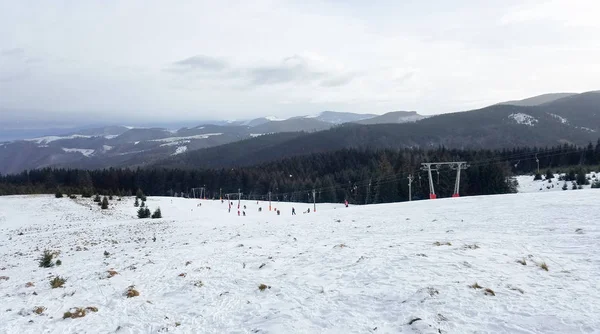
x,y
243,212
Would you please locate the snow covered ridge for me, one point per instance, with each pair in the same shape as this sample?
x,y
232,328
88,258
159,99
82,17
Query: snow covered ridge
x,y
85,151
175,139
561,119
412,267
524,119
49,139
180,149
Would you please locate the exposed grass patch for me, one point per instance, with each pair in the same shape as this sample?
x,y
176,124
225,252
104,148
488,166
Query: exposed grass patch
x,y
188,263
340,246
437,243
79,312
544,266
4,278
522,261
57,282
131,292
39,310
182,275
29,284
111,273
473,246
263,287
489,292
198,284
475,286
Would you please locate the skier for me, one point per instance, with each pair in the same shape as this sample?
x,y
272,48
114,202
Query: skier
x,y
346,202
308,210
293,212
244,213
259,209
278,213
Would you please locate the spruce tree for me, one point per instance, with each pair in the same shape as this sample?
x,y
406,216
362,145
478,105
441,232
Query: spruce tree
x,y
564,187
147,213
143,204
537,177
97,199
549,174
157,214
58,194
104,203
137,203
141,213
139,193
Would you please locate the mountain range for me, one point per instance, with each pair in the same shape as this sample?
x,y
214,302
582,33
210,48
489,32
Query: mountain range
x,y
545,120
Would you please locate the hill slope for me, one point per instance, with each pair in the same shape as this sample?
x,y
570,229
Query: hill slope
x,y
498,126
403,267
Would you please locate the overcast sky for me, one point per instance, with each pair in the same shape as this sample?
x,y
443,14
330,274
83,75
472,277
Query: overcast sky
x,y
187,60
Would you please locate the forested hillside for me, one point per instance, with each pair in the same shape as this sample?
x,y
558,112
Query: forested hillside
x,y
360,176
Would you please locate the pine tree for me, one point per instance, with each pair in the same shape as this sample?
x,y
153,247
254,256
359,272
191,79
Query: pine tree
x,y
139,194
147,213
104,203
549,174
564,187
143,204
97,199
157,214
137,203
141,213
58,194
537,177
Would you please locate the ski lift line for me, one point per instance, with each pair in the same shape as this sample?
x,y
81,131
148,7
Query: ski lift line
x,y
403,175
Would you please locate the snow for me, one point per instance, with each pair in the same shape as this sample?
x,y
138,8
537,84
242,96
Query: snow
x,y
274,118
180,149
587,129
528,185
175,139
107,148
85,151
49,139
561,119
253,135
339,270
524,119
110,136
175,143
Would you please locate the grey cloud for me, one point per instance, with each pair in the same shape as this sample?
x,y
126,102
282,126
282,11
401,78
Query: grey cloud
x,y
12,52
295,69
337,81
198,62
282,74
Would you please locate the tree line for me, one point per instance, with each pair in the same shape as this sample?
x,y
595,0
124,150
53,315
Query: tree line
x,y
359,176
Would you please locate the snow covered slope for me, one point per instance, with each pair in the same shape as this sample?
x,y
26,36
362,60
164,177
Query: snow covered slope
x,y
391,268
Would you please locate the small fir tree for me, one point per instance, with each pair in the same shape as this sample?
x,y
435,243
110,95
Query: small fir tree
x,y
139,193
148,213
58,194
143,204
549,175
104,203
137,203
97,199
564,187
537,177
141,213
157,214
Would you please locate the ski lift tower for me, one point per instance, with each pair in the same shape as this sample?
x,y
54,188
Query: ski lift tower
x,y
455,165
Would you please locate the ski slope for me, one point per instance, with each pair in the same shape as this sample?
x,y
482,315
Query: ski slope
x,y
362,269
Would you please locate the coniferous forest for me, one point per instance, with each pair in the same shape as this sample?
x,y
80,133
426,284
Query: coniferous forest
x,y
359,176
